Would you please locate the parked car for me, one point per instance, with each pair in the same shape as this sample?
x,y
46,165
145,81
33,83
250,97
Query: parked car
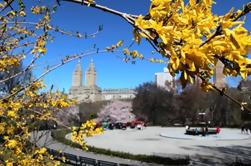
x,y
105,125
120,125
137,122
140,127
111,126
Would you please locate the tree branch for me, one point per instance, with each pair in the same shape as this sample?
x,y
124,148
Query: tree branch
x,y
78,35
223,93
8,4
103,8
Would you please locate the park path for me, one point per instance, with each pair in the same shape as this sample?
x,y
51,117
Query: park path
x,y
44,139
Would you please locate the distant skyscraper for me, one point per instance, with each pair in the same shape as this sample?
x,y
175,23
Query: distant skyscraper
x,y
219,77
165,80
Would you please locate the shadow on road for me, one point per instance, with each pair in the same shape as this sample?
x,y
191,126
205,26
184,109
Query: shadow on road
x,y
231,155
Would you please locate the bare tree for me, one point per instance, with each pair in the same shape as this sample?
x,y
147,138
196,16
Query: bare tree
x,y
154,104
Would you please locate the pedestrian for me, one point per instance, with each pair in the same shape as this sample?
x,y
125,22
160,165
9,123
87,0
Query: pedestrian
x,y
196,131
242,129
203,133
246,129
217,130
207,130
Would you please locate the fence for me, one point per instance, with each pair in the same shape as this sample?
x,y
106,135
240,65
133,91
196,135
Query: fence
x,y
81,161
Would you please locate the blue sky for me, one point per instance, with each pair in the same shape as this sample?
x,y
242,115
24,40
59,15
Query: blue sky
x,y
112,72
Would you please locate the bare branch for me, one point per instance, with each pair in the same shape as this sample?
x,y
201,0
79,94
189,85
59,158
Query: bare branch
x,y
103,8
8,4
223,93
78,35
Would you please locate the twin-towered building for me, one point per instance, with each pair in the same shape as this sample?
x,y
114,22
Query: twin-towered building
x,y
89,91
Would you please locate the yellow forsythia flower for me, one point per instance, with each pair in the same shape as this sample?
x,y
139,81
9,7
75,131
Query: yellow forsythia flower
x,y
11,143
22,13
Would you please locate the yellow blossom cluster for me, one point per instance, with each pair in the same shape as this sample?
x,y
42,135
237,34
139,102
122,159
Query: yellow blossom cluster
x,y
7,62
19,117
194,39
90,2
38,9
134,54
114,46
87,129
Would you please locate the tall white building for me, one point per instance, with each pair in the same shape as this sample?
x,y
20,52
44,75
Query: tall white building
x,y
165,80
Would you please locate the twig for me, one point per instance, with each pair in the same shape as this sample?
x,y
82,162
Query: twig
x,y
59,30
103,8
7,5
223,93
246,9
217,32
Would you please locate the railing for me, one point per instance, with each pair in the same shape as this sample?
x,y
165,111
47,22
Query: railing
x,y
81,161
86,161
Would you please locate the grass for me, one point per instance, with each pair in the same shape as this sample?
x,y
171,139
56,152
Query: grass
x,y
59,135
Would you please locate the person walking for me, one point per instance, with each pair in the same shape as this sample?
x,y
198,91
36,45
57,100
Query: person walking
x,y
242,129
196,131
206,130
217,130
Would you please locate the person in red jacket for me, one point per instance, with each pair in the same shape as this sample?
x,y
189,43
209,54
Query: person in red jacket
x,y
217,130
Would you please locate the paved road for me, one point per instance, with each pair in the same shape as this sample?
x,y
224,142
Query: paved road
x,y
205,156
221,149
43,138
